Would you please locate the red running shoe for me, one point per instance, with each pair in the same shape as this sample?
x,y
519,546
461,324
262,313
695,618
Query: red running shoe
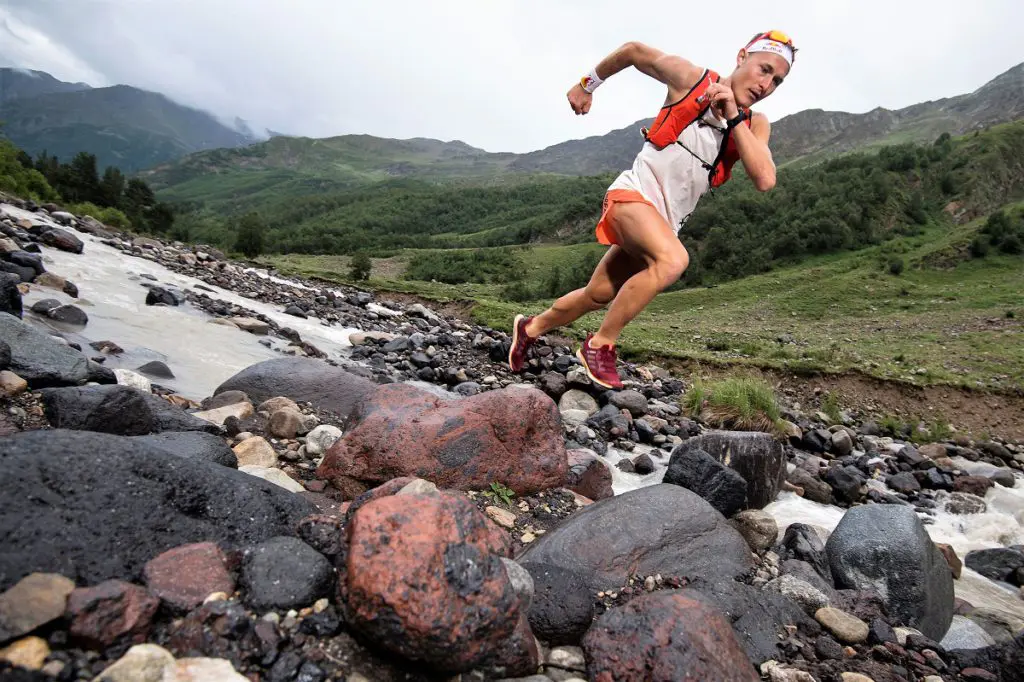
x,y
521,341
600,364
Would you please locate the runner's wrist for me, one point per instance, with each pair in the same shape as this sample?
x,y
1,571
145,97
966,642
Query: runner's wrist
x,y
591,81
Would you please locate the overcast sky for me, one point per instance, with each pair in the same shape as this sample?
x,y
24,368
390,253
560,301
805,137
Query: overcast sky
x,y
494,73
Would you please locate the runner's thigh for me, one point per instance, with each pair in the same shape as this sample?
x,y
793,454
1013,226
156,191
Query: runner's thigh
x,y
644,234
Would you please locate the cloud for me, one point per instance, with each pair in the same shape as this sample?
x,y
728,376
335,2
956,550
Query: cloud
x,y
494,74
27,47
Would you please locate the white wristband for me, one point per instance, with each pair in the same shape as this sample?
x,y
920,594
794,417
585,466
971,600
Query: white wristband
x,y
591,81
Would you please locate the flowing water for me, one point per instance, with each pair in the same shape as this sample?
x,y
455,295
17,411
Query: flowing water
x,y
202,355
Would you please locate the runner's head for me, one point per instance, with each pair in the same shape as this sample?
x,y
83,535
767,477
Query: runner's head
x,y
761,66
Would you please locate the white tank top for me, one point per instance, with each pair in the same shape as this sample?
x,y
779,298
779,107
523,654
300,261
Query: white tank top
x,y
672,178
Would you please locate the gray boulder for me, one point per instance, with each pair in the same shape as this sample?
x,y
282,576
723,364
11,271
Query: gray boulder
x,y
303,380
757,457
120,410
94,506
663,529
885,548
194,444
43,361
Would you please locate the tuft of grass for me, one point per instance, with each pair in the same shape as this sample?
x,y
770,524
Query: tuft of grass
x,y
830,406
740,403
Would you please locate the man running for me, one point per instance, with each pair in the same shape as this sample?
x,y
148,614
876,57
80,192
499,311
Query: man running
x,y
704,127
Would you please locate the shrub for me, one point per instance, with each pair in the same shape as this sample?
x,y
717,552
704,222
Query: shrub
x,y
896,266
359,268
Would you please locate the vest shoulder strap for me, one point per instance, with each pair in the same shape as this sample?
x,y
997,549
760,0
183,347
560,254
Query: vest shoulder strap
x,y
673,118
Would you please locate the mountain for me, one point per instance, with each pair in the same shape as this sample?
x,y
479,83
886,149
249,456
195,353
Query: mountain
x,y
122,125
812,134
24,83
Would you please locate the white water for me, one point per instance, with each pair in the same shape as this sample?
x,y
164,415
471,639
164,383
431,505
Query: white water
x,y
200,354
1001,525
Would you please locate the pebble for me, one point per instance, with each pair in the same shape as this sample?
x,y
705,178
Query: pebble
x,y
503,517
855,677
845,627
29,653
35,600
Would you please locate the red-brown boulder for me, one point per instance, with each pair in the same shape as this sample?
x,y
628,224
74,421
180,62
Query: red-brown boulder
x,y
665,637
423,578
185,576
103,614
511,436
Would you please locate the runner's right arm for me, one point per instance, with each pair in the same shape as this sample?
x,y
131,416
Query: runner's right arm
x,y
678,74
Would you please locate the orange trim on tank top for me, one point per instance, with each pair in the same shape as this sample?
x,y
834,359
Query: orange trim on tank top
x,y
605,233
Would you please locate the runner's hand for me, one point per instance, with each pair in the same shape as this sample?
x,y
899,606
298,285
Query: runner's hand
x,y
580,99
723,101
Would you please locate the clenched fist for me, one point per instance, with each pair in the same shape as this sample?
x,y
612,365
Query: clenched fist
x,y
580,99
722,100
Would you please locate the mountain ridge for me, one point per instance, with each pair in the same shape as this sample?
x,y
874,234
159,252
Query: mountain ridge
x,y
124,126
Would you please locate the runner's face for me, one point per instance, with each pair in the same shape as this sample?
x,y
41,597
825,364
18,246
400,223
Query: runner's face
x,y
757,76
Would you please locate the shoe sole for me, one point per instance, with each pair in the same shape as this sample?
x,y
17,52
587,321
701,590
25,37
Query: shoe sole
x,y
579,356
515,341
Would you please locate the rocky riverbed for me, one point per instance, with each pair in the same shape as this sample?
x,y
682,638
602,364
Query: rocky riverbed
x,y
211,473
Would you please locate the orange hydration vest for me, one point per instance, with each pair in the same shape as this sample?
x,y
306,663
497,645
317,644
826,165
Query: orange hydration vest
x,y
674,118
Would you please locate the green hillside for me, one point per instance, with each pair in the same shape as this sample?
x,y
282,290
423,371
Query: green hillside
x,y
951,316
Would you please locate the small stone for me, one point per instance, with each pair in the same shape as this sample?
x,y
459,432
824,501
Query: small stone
x,y
527,538
102,614
649,583
29,652
11,384
186,575
757,527
220,414
255,451
35,600
503,517
142,663
320,605
320,439
216,596
285,423
420,487
845,627
856,677
205,670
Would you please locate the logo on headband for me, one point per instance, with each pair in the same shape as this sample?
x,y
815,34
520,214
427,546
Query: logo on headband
x,y
773,46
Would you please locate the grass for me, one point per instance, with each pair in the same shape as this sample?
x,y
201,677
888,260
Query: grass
x,y
741,403
946,319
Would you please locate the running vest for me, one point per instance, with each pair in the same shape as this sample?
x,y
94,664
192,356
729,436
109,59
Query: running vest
x,y
676,117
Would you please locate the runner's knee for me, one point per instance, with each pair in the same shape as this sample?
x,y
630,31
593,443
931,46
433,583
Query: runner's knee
x,y
671,267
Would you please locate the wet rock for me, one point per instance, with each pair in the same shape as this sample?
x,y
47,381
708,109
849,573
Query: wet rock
x,y
157,369
814,489
424,579
35,600
110,612
161,296
887,549
757,457
562,608
119,410
664,637
88,503
643,464
975,485
801,542
301,379
696,470
285,573
43,361
512,436
185,576
62,239
196,444
846,484
10,295
964,633
999,563
588,475
659,529
68,314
